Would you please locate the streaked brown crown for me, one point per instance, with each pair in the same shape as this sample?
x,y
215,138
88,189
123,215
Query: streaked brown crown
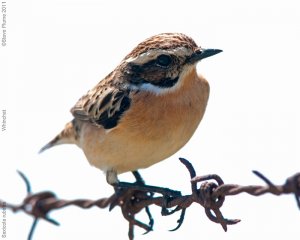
x,y
163,41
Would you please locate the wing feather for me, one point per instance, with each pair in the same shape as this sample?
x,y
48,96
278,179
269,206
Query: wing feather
x,y
103,105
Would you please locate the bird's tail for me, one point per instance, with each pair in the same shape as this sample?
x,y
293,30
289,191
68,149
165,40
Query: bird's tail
x,y
67,135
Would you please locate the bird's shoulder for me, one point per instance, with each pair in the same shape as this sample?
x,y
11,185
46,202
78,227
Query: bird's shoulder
x,y
104,104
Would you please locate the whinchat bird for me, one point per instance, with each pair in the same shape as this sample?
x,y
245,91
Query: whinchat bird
x,y
145,110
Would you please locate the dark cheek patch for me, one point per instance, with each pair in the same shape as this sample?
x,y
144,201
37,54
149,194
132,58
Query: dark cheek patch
x,y
166,82
150,73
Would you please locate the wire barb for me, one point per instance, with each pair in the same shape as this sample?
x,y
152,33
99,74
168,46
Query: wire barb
x,y
25,179
209,191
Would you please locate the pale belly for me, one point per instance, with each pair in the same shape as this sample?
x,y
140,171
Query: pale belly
x,y
148,133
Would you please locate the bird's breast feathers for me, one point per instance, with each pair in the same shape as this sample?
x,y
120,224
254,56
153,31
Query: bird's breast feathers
x,y
150,130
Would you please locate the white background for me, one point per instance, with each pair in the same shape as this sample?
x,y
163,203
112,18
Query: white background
x,y
57,50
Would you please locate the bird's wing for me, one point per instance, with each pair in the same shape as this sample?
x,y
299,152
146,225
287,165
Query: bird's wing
x,y
102,105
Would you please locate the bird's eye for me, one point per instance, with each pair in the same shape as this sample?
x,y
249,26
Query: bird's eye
x,y
163,60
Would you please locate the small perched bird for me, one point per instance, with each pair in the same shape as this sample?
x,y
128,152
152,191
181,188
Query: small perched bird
x,y
145,110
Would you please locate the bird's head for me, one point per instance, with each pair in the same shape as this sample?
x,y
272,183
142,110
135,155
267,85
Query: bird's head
x,y
157,64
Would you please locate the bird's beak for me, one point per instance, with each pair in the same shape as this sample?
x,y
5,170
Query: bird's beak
x,y
203,53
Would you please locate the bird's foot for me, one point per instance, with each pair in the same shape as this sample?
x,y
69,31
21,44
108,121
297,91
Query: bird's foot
x,y
141,187
127,194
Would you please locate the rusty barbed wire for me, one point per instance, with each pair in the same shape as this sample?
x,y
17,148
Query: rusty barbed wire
x,y
210,195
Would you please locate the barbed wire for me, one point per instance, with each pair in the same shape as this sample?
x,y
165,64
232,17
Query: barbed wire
x,y
210,194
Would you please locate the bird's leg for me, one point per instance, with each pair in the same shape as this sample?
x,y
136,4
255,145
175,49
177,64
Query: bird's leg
x,y
120,194
138,178
111,177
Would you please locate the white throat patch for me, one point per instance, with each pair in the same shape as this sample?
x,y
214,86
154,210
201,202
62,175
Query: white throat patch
x,y
148,87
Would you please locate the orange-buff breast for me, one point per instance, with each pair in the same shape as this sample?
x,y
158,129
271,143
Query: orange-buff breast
x,y
155,127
